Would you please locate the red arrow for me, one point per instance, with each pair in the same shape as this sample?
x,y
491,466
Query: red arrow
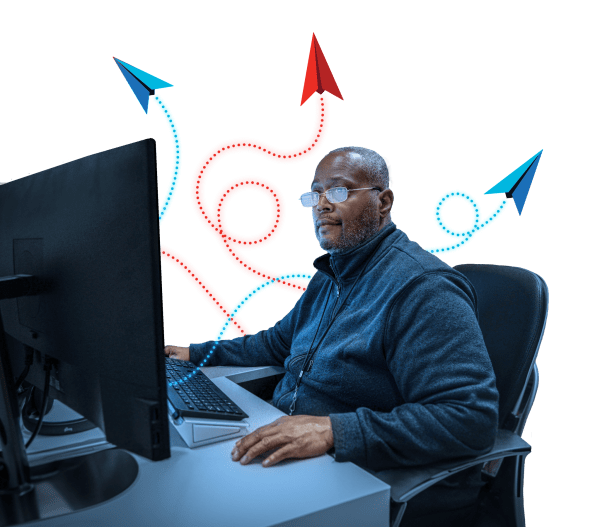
x,y
318,75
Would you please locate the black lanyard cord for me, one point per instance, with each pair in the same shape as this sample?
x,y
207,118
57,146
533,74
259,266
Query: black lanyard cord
x,y
313,340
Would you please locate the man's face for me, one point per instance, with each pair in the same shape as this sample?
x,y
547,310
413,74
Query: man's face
x,y
341,226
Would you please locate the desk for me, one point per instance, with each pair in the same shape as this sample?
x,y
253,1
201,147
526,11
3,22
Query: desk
x,y
204,487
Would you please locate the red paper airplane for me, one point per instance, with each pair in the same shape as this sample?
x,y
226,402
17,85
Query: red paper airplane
x,y
318,75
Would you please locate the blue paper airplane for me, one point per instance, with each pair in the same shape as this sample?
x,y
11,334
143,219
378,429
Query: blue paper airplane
x,y
143,84
516,185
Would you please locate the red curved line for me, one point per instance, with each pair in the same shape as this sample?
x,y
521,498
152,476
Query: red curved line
x,y
214,222
204,287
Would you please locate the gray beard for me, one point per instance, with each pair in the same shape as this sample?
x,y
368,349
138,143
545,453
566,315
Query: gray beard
x,y
353,233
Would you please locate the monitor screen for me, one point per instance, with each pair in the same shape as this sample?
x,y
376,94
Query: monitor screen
x,y
89,231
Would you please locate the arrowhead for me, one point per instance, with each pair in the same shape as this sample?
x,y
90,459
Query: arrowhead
x,y
318,75
519,194
142,84
516,184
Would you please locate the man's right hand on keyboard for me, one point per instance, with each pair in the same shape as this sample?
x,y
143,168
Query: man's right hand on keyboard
x,y
177,352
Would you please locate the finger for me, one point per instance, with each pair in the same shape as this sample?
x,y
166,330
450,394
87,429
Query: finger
x,y
168,350
265,444
285,452
243,444
247,442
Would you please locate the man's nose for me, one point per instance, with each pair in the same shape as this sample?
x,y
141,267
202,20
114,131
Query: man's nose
x,y
323,203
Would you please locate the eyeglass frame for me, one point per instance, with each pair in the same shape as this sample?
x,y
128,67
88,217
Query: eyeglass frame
x,y
333,188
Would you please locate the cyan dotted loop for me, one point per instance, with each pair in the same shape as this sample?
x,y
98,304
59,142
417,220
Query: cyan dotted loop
x,y
466,235
177,155
230,318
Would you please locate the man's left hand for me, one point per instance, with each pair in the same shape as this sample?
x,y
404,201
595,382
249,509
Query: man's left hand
x,y
297,436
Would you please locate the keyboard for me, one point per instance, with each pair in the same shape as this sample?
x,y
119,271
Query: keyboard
x,y
193,394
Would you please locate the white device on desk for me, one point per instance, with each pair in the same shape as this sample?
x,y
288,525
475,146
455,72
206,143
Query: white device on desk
x,y
199,411
197,432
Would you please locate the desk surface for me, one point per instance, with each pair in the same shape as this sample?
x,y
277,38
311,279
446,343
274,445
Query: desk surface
x,y
203,486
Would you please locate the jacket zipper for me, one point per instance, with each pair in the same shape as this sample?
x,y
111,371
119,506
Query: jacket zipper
x,y
286,393
303,355
333,313
293,361
337,299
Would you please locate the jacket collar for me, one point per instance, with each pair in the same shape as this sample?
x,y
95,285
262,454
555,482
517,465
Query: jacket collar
x,y
346,265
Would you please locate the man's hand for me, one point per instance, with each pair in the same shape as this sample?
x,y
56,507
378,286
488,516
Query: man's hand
x,y
177,352
298,436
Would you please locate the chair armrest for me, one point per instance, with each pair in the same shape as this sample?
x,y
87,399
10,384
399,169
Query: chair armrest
x,y
408,482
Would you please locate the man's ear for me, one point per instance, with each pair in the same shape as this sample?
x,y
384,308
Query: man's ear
x,y
387,200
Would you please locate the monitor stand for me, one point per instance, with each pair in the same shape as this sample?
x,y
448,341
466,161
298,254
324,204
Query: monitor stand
x,y
56,488
59,420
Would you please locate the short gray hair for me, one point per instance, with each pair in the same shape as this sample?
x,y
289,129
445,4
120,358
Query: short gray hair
x,y
373,165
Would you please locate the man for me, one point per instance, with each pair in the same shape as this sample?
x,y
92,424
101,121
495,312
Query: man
x,y
385,362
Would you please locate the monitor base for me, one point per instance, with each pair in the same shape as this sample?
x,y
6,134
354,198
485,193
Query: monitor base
x,y
59,420
66,486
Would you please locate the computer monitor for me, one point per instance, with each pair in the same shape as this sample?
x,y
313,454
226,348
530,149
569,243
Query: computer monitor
x,y
87,232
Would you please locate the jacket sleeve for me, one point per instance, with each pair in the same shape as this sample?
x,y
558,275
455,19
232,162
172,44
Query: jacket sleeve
x,y
435,351
266,348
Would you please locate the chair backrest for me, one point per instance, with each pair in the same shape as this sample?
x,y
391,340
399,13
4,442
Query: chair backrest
x,y
513,306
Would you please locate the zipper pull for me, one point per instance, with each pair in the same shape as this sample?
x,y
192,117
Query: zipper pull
x,y
310,363
338,291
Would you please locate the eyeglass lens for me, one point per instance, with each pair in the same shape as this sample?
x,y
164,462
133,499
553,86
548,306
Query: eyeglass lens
x,y
333,195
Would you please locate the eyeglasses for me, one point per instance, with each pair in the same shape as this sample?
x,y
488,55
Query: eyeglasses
x,y
333,195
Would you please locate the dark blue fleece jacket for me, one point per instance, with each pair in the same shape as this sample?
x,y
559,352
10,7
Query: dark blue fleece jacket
x,y
402,369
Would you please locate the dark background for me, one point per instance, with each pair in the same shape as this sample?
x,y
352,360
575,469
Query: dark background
x,y
455,94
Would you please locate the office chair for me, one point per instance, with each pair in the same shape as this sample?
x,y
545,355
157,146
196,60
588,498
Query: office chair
x,y
513,306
